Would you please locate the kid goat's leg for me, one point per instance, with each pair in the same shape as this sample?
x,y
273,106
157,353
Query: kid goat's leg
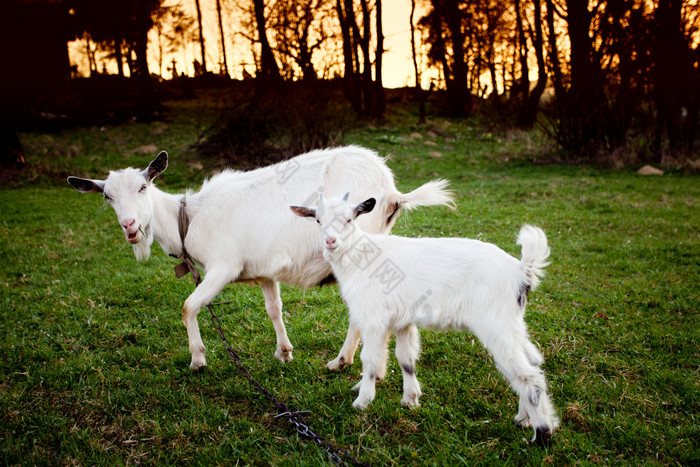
x,y
518,360
347,353
203,295
373,356
407,351
273,305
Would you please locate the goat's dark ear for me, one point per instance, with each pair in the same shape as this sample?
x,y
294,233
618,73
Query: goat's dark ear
x,y
87,186
157,166
302,211
365,207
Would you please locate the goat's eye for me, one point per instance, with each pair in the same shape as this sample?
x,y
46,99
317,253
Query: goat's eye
x,y
348,221
318,222
106,197
143,188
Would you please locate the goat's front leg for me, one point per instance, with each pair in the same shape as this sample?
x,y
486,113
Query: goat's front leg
x,y
373,357
203,295
347,353
273,305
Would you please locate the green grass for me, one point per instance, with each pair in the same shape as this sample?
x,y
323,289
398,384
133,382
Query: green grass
x,y
94,357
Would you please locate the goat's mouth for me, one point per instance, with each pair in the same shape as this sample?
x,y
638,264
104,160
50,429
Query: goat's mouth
x,y
133,237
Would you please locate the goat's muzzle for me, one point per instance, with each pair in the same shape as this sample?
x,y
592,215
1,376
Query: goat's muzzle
x,y
133,237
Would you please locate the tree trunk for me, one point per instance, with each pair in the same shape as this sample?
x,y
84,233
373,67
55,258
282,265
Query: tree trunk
x,y
587,105
671,75
420,95
554,63
201,36
141,49
378,84
118,56
522,89
414,55
91,56
223,41
269,71
457,91
370,101
533,102
345,15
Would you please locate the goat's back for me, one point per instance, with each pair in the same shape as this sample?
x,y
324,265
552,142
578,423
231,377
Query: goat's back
x,y
433,281
244,217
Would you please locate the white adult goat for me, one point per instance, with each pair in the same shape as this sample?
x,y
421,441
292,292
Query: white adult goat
x,y
240,229
391,284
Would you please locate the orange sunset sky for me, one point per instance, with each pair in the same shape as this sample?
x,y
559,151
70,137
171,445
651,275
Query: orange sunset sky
x,y
397,69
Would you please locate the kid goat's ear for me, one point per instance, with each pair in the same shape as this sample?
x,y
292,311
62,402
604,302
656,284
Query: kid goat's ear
x,y
157,166
302,211
365,207
87,186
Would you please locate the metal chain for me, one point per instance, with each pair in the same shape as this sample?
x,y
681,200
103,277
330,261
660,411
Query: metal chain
x,y
337,455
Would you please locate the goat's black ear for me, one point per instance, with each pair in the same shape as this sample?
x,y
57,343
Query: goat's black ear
x,y
302,211
87,186
365,207
157,166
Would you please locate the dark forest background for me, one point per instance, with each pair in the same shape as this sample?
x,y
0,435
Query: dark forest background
x,y
615,79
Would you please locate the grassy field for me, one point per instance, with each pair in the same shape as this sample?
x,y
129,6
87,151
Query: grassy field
x,y
94,357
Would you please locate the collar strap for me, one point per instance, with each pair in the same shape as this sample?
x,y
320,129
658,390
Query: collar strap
x,y
187,266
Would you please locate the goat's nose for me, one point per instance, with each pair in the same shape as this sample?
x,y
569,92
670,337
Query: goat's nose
x,y
126,223
330,241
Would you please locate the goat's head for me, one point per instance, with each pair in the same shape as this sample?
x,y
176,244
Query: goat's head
x,y
128,192
336,218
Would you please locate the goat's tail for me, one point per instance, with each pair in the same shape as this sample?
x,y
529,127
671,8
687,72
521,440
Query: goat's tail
x,y
430,194
535,252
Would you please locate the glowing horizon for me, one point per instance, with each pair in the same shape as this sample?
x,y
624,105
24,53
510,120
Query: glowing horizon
x,y
397,70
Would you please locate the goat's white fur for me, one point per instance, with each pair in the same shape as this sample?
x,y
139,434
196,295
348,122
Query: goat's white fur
x,y
241,229
445,283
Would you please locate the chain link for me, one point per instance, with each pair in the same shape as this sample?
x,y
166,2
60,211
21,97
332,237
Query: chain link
x,y
337,455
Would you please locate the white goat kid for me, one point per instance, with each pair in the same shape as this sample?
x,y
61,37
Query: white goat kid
x,y
240,229
391,284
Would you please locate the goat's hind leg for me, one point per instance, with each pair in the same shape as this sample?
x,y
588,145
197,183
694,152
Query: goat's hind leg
x,y
273,305
407,351
211,286
536,360
518,360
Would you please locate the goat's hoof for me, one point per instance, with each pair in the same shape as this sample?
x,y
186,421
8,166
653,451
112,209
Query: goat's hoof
x,y
360,404
198,365
523,422
338,364
410,401
543,437
284,354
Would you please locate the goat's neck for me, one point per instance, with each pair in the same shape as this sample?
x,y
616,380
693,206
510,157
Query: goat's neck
x,y
165,227
340,259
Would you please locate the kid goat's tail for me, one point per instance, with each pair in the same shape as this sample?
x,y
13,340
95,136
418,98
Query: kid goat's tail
x,y
534,253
